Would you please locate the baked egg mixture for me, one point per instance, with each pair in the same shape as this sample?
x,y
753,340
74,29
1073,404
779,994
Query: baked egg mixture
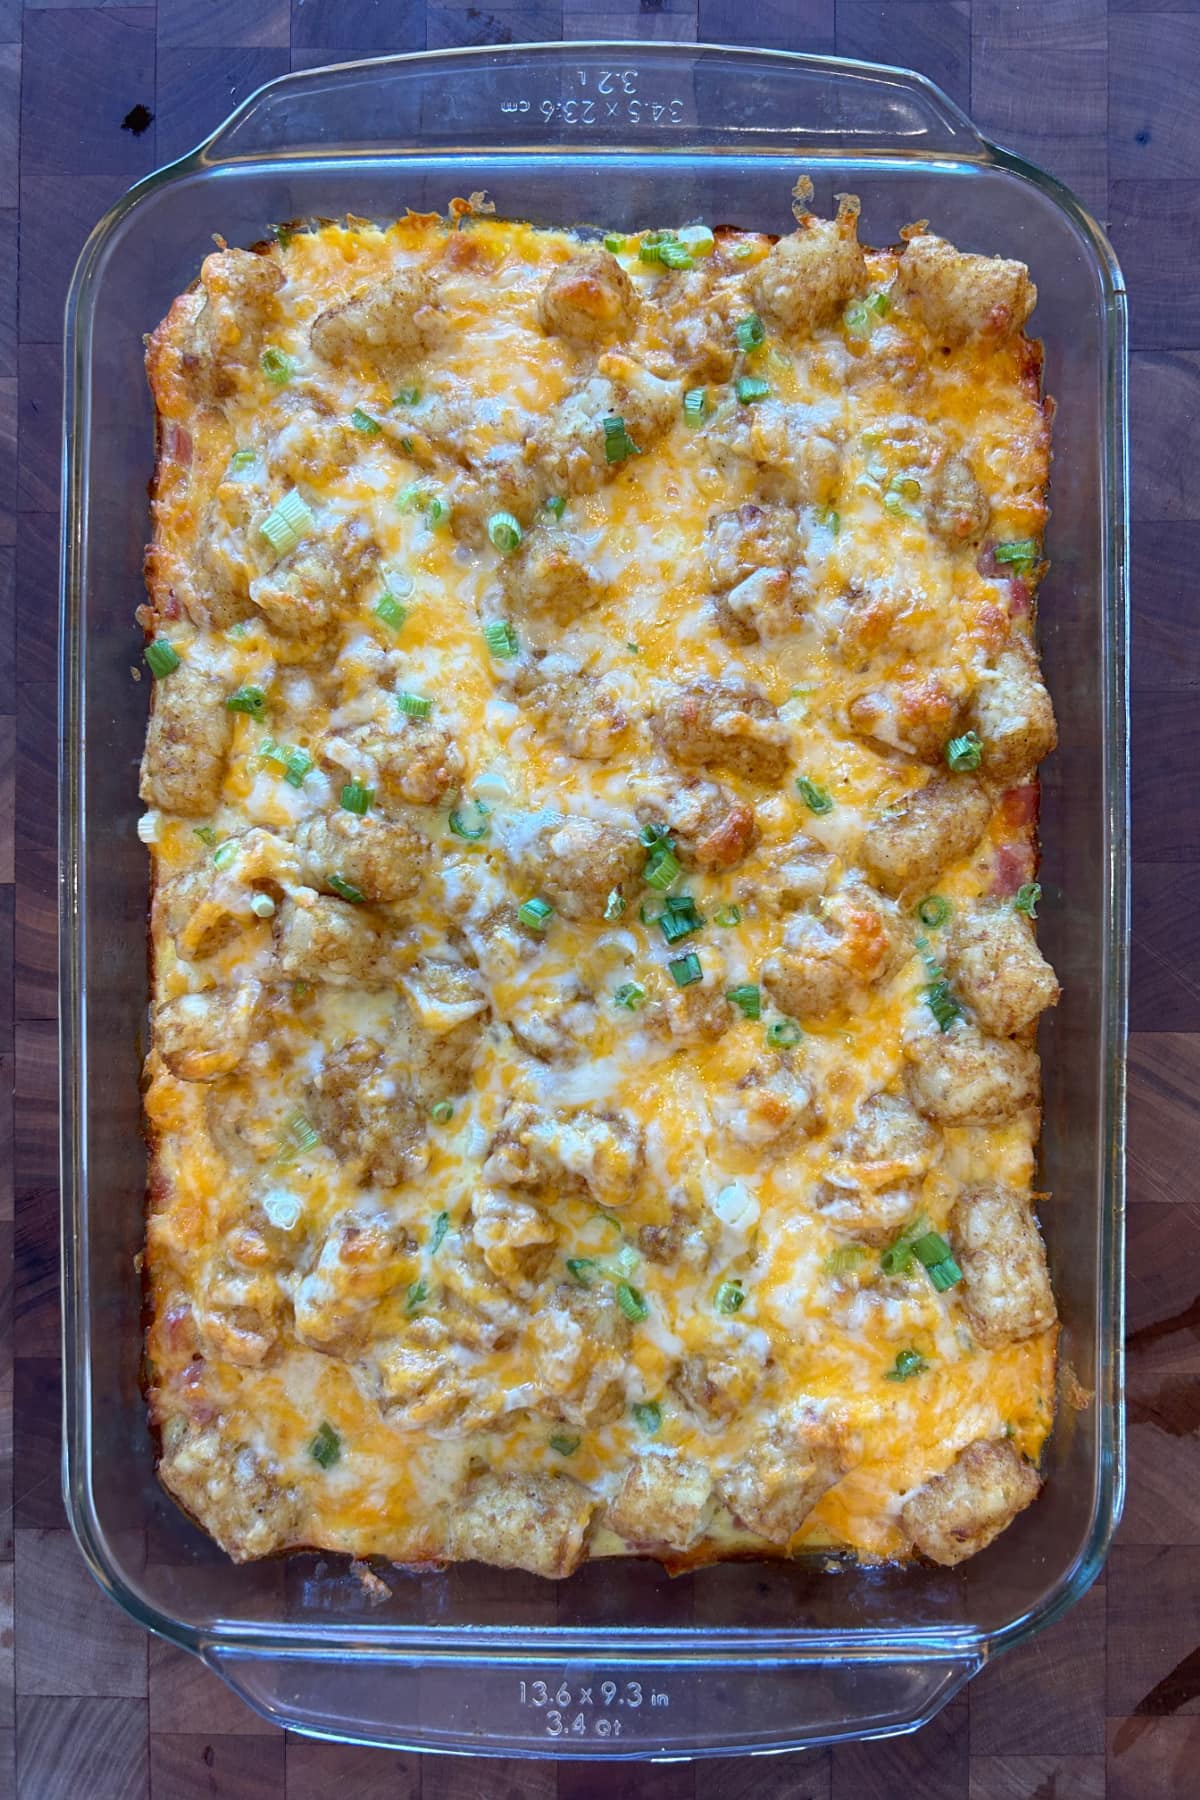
x,y
591,790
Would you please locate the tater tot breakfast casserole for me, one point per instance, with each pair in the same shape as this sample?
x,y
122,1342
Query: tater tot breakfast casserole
x,y
591,793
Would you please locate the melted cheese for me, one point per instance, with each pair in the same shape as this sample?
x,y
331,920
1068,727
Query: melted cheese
x,y
826,1334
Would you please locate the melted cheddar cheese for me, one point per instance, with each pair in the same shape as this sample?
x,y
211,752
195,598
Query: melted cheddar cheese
x,y
691,604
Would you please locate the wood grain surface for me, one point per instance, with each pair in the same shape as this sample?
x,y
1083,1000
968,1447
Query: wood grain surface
x,y
1106,1702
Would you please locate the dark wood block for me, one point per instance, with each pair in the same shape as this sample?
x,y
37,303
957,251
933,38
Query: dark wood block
x,y
8,764
8,1075
1039,85
674,23
932,36
808,1775
37,587
1166,806
57,216
1152,1759
1153,6
1155,228
62,1604
36,1159
36,809
315,1770
1162,1376
39,425
198,89
467,1778
450,26
1164,412
10,114
199,23
71,1748
184,1693
1153,1662
1047,1696
9,479
37,1321
1028,1777
931,1763
1164,1116
1166,625
777,24
1164,945
36,937
358,27
37,1443
583,1781
9,224
8,633
8,1691
78,83
1151,119
203,1766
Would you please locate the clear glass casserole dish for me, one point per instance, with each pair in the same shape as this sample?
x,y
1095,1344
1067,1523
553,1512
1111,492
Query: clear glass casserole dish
x,y
620,1660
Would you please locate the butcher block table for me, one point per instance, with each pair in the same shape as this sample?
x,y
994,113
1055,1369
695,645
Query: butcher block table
x,y
1107,1701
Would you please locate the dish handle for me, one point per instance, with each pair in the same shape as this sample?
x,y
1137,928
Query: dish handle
x,y
621,1711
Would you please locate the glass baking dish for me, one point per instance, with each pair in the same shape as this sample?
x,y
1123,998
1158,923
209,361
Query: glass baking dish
x,y
619,1661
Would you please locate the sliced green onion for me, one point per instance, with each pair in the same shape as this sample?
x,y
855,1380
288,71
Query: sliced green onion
x,y
614,243
653,833
908,1363
1028,895
362,421
614,906
647,1415
470,821
563,1444
417,1295
326,1447
729,1297
898,1255
277,366
438,511
906,486
250,700
945,1274
676,256
441,1226
299,1137
292,762
783,1033
356,798
964,753
581,1269
501,639
816,798
942,1004
845,1259
679,918
665,248
747,998
1019,553
933,911
750,332
857,319
262,906
727,916
161,657
751,388
346,889
879,303
406,396
535,912
662,867
930,1248
685,970
225,854
631,995
632,1303
287,523
283,235
829,518
505,532
617,442
413,496
414,706
698,239
442,1111
243,460
205,833
695,406
556,506
389,609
